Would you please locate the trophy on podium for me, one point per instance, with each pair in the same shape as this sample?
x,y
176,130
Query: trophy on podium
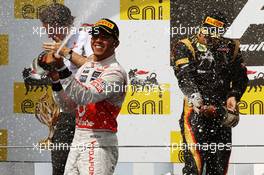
x,y
47,112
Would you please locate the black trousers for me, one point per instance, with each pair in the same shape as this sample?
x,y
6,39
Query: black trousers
x,y
64,132
206,144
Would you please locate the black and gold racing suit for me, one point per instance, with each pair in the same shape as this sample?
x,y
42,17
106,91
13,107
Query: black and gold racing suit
x,y
216,73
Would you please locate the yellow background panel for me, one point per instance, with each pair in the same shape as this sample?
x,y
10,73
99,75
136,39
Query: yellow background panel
x,y
144,9
252,102
25,9
3,49
26,103
144,102
3,142
176,154
148,102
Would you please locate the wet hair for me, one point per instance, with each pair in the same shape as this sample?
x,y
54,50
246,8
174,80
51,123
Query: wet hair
x,y
56,15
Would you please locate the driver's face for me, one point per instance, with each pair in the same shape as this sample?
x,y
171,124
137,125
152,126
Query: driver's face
x,y
202,39
208,38
103,45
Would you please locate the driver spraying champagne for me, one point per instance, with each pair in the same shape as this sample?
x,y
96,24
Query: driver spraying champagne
x,y
212,76
96,93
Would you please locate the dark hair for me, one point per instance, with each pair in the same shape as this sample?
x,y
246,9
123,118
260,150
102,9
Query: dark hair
x,y
56,15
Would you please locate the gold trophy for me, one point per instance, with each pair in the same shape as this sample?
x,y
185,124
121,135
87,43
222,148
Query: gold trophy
x,y
47,112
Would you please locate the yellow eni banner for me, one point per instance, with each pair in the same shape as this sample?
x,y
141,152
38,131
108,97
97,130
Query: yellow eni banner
x,y
25,99
252,102
144,9
147,100
176,154
3,142
3,49
25,9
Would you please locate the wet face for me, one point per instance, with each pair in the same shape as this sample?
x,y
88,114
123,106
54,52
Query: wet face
x,y
103,45
202,39
208,38
56,33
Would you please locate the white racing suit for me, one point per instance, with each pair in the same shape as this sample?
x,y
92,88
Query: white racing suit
x,y
96,93
92,153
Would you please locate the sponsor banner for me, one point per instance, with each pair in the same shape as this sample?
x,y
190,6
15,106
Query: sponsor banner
x,y
4,49
138,101
25,98
144,10
25,9
259,47
252,102
147,100
176,154
3,142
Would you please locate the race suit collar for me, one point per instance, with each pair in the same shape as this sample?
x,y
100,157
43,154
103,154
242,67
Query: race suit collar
x,y
106,60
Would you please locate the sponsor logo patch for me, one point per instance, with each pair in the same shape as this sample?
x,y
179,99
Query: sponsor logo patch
x,y
213,22
182,61
105,23
99,84
83,78
95,75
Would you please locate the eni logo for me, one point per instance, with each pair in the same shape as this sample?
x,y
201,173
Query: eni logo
x,y
147,107
145,10
148,101
25,9
25,100
252,101
251,107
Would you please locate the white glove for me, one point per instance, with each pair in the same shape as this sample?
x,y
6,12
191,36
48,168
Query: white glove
x,y
230,119
196,101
